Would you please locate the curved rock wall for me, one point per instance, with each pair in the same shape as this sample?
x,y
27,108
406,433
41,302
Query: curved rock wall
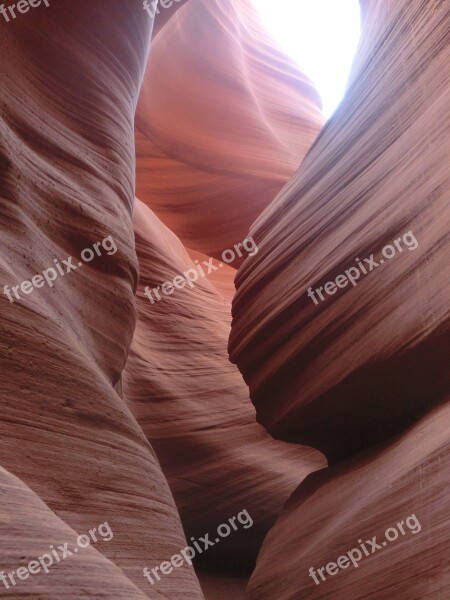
x,y
67,182
223,121
29,529
194,407
397,493
347,371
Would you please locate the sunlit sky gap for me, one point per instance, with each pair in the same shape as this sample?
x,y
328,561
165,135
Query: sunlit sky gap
x,y
321,36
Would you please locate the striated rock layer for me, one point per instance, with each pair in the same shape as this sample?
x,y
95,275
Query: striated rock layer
x,y
398,493
348,371
67,182
223,121
193,406
29,530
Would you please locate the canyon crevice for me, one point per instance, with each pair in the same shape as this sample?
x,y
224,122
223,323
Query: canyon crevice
x,y
167,413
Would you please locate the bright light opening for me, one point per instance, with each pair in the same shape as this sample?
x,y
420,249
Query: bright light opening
x,y
321,36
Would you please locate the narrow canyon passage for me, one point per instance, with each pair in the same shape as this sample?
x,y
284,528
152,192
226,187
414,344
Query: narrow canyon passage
x,y
224,318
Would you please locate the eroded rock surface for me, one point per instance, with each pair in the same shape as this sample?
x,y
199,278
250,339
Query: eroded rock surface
x,y
223,121
404,482
193,406
348,371
70,77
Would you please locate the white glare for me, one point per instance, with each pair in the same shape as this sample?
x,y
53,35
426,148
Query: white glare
x,y
321,36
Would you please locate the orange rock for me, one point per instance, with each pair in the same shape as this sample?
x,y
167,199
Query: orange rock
x,y
70,82
340,509
194,408
223,121
350,371
30,530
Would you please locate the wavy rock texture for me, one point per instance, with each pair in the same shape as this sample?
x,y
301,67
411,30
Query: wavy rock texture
x,y
223,121
211,155
356,368
28,529
194,407
67,160
357,500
